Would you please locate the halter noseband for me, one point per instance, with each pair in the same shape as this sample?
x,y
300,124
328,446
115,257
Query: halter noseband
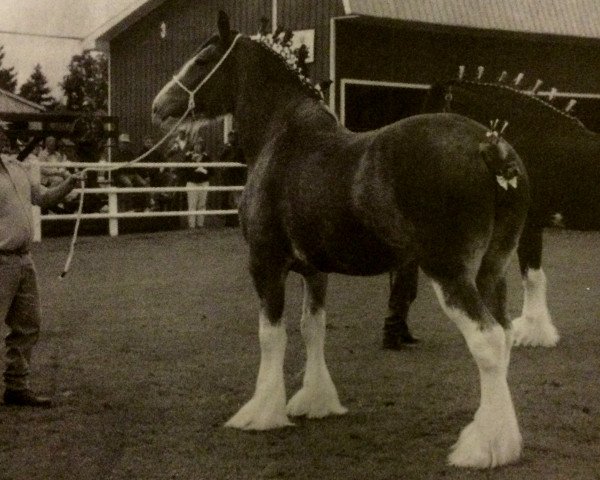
x,y
192,93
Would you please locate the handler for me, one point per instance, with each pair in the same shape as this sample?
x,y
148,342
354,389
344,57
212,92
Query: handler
x,y
19,297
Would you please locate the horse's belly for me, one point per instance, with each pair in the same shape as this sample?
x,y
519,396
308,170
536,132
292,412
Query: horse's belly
x,y
348,256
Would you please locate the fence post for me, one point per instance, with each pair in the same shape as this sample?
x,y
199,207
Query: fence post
x,y
113,223
36,214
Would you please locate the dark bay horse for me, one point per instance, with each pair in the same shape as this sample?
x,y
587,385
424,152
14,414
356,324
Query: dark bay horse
x,y
562,159
321,199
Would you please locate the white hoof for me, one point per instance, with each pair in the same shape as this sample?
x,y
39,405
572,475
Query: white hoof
x,y
534,332
314,403
478,448
260,414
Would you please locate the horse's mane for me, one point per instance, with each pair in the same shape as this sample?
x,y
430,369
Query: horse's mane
x,y
294,73
522,96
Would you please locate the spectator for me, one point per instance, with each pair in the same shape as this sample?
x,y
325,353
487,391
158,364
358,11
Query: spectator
x,y
54,174
19,297
233,176
152,176
129,177
198,177
176,153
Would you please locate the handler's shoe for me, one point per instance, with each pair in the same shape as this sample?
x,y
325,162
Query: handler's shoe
x,y
25,398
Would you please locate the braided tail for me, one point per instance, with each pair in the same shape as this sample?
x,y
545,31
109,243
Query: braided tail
x,y
496,154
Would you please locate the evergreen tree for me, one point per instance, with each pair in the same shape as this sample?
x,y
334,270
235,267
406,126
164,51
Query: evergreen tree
x,y
86,85
8,77
36,89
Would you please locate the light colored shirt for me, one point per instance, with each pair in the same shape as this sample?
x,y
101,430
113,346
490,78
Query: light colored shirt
x,y
18,191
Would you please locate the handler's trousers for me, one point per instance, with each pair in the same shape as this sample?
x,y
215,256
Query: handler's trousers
x,y
20,309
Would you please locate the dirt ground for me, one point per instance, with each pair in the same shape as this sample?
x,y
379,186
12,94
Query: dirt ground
x,y
150,344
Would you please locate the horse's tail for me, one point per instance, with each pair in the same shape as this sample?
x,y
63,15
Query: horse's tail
x,y
502,161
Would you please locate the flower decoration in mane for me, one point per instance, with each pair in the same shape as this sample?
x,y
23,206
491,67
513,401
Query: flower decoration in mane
x,y
280,44
531,93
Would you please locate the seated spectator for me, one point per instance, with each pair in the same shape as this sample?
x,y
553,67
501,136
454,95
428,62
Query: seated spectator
x,y
129,177
233,176
150,175
52,175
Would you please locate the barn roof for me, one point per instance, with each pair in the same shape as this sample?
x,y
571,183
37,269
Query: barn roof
x,y
578,18
575,18
119,22
11,103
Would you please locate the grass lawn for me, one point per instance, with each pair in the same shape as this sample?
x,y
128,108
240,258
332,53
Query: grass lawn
x,y
150,344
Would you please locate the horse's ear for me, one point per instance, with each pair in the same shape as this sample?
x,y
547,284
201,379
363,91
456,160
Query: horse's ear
x,y
224,28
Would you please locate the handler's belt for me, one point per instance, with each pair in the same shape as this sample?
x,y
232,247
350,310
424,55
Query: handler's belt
x,y
16,251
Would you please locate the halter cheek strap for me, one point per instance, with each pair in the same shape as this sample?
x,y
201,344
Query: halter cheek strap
x,y
192,93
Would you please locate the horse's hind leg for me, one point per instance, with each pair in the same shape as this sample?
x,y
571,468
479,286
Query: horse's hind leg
x,y
266,409
403,291
534,327
318,396
493,437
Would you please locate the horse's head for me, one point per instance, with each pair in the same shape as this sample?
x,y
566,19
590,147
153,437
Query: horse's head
x,y
201,85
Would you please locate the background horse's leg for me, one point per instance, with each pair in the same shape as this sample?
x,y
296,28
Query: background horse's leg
x,y
403,291
266,409
318,397
493,437
534,327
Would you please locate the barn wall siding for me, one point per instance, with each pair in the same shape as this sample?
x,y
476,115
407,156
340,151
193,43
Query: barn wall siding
x,y
397,52
366,48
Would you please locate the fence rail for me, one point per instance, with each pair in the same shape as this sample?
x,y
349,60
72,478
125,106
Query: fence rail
x,y
113,215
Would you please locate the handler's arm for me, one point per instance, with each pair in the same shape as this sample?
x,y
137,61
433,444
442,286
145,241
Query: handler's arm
x,y
47,197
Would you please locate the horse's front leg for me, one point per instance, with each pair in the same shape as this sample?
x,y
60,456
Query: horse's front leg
x,y
318,396
534,327
266,409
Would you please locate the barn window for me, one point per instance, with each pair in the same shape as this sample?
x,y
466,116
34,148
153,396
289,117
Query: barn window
x,y
163,30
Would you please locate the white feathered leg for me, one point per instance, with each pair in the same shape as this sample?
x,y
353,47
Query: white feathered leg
x,y
534,328
493,437
266,409
318,396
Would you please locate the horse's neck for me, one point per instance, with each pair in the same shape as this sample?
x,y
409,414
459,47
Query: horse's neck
x,y
263,117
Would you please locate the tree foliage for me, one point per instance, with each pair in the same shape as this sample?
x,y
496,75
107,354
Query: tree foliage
x,y
86,84
8,77
36,89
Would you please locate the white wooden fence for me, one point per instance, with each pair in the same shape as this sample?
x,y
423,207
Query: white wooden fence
x,y
113,215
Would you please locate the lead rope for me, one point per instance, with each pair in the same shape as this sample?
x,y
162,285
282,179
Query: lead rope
x,y
190,108
91,169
